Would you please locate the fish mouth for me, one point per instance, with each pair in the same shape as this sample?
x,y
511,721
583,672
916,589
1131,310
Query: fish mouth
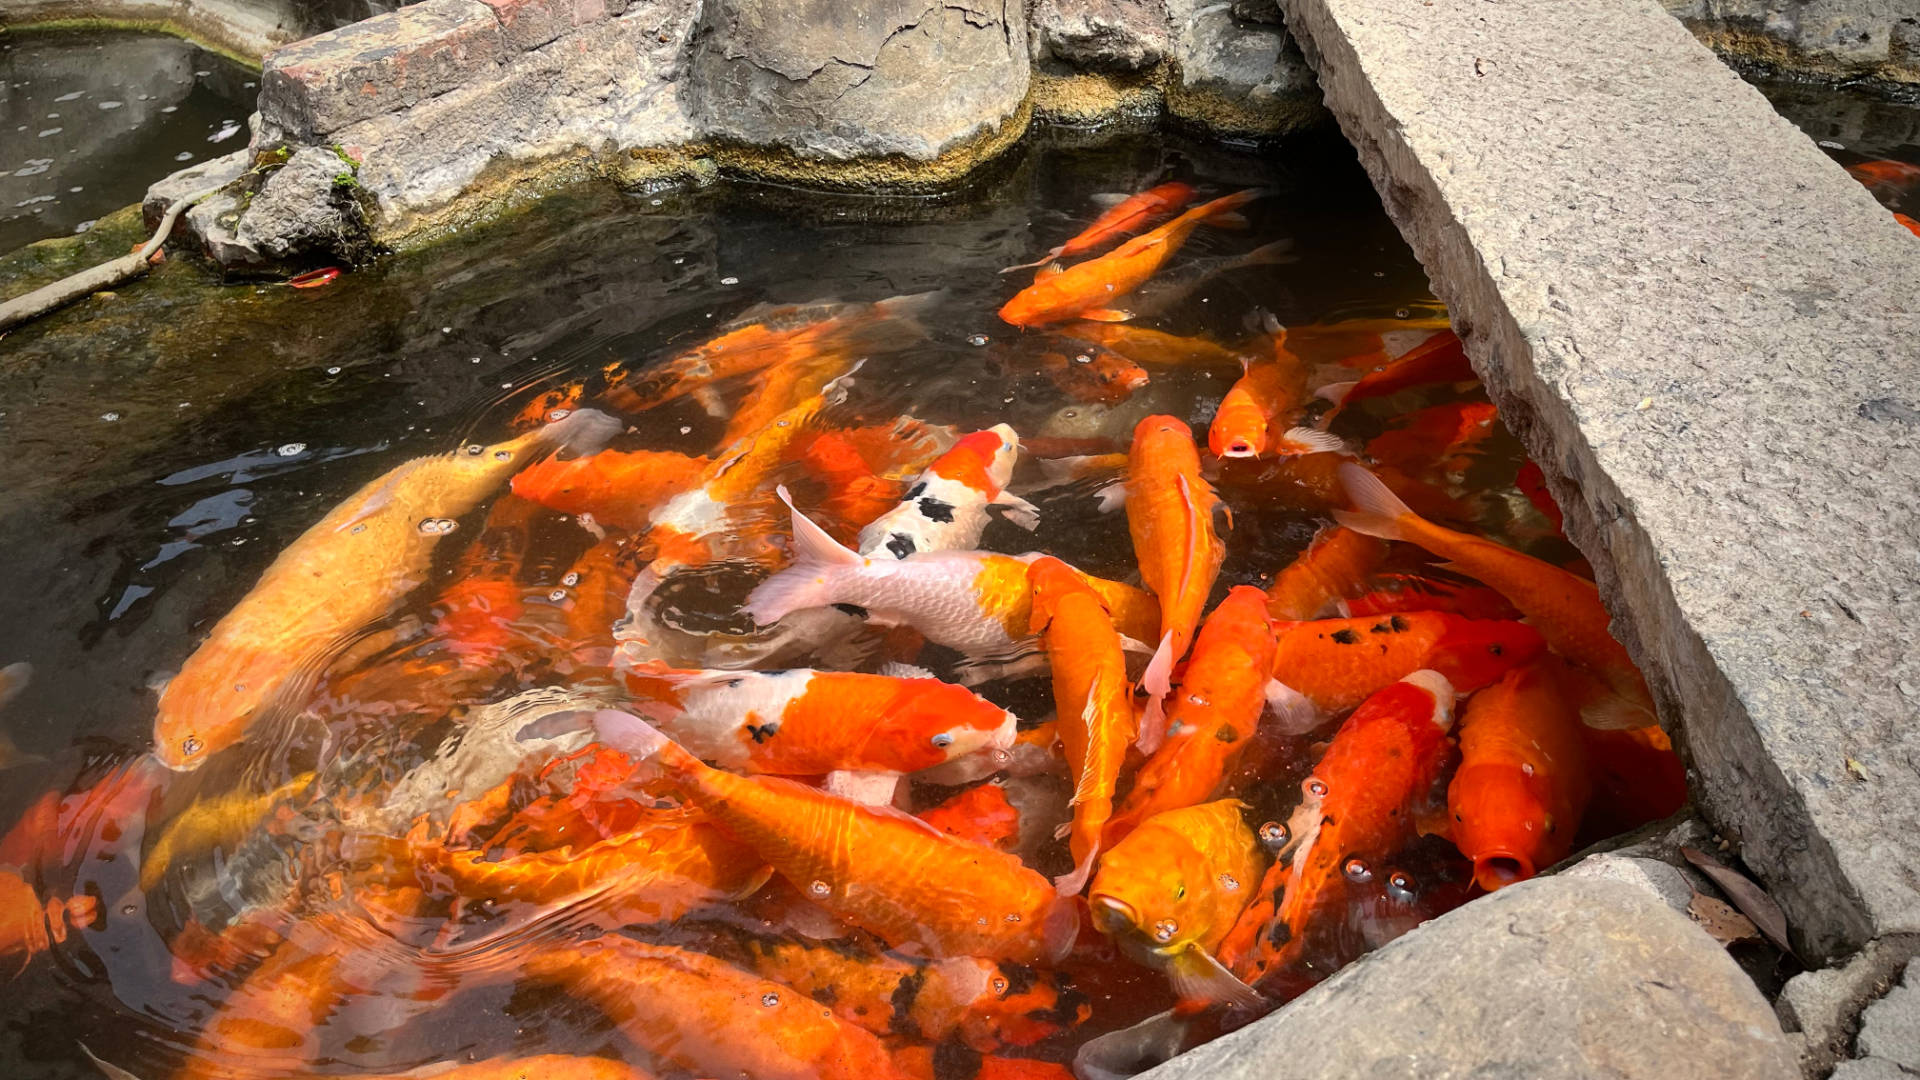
x,y
1239,448
1112,914
1498,869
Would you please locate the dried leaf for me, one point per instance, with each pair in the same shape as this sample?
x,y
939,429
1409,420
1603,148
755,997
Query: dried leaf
x,y
1858,770
1717,917
1751,899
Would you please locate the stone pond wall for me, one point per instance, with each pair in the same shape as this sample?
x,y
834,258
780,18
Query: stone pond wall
x,y
1873,40
246,30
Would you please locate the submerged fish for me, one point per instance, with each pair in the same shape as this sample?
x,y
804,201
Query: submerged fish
x,y
340,575
1888,176
1328,666
1171,512
621,488
1516,801
1334,565
1256,417
946,508
1127,214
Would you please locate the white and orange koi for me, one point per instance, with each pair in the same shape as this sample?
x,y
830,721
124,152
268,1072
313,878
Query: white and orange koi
x,y
947,507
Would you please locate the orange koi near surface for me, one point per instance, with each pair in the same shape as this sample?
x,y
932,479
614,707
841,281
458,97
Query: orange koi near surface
x,y
1516,801
1886,176
1085,289
1125,216
1335,664
1912,226
1095,375
1093,698
1440,359
1360,806
620,488
1255,417
1334,565
882,870
1564,607
1435,441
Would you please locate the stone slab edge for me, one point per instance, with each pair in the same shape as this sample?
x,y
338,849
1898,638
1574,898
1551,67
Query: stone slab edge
x,y
227,27
1773,703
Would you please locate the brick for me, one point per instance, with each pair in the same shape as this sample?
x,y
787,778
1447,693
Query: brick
x,y
317,86
529,24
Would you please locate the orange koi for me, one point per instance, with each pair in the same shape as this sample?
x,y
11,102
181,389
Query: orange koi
x,y
1170,516
1440,359
1085,289
1255,417
1335,564
709,1017
1093,698
620,488
1388,594
1435,441
884,871
1359,807
855,494
479,607
1095,375
947,507
1522,785
1213,713
1912,226
1172,889
1128,215
1333,665
1564,607
1156,348
29,926
980,814
548,406
1637,778
340,575
1533,484
595,598
1886,176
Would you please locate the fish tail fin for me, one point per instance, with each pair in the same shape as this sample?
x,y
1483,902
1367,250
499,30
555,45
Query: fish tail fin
x,y
1614,711
1044,260
801,585
1336,392
1275,254
582,431
1231,219
1061,930
110,1071
1072,883
1199,978
637,739
1305,440
1157,681
13,679
1376,510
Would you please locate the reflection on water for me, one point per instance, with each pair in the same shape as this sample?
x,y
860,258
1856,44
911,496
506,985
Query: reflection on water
x,y
1857,129
91,120
327,891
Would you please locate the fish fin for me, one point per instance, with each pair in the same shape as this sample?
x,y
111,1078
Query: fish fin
x,y
1614,712
582,431
1042,261
866,788
1061,830
1336,392
1060,930
1232,219
1135,646
835,391
1377,511
1294,712
1071,884
1197,977
1049,270
1106,315
111,1072
895,669
1112,497
629,734
1107,200
13,679
1018,510
1123,1054
801,585
709,400
1020,659
1306,440
1274,254
1157,681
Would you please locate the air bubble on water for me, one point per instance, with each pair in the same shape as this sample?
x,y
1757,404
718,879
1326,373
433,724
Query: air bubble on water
x,y
1229,882
1164,930
1357,871
1402,313
820,888
475,449
109,417
1526,768
977,339
130,909
358,529
170,108
999,985
292,449
503,455
1400,884
70,97
1082,358
1013,916
333,371
685,430
557,595
1274,835
1379,273
446,329
107,105
437,526
184,155
1829,144
769,999
1316,787
571,578
729,281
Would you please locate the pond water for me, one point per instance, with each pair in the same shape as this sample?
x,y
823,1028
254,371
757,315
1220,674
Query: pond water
x,y
90,120
1875,138
316,894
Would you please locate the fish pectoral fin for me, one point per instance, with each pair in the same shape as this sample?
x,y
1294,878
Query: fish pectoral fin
x,y
1017,510
1196,976
1106,315
1157,681
1107,200
1294,712
709,400
1306,440
1112,497
868,788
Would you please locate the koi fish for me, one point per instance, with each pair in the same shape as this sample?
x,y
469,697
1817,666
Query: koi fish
x,y
1170,516
981,814
29,926
621,488
1093,698
1213,713
711,1018
1253,416
946,508
1532,483
973,602
1522,785
801,722
1564,607
1156,348
1167,291
596,597
1128,215
479,608
343,573
1438,440
1440,359
1359,807
855,493
1389,594
1328,666
1637,778
1095,375
1886,176
212,822
884,871
1083,290
1912,226
1334,564
1169,892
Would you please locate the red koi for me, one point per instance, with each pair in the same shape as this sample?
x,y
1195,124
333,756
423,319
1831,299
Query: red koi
x,y
1128,215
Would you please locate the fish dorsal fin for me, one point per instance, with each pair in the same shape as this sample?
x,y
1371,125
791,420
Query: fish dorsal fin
x,y
1107,200
811,543
1052,269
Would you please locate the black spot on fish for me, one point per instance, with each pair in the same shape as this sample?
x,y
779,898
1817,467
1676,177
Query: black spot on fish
x,y
1225,733
1400,625
1346,637
1020,977
762,732
1496,649
901,545
775,671
826,995
916,491
1279,934
904,992
734,684
854,610
936,510
1380,628
955,1060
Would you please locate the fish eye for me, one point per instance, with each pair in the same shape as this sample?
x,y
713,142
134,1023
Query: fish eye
x,y
1495,649
1180,893
943,740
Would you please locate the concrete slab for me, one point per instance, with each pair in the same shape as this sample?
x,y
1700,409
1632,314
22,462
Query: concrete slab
x,y
1707,335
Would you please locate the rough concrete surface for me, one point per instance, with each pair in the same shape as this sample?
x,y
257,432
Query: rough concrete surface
x,y
1706,333
1824,1005
1869,1069
831,80
1557,977
1100,35
244,29
1890,1027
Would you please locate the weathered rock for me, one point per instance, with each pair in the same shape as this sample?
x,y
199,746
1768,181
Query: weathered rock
x,y
318,86
1890,1027
1260,11
1649,875
1555,977
529,24
1627,262
828,80
306,206
1238,78
1870,1069
244,28
1100,35
214,172
1848,38
1825,1004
